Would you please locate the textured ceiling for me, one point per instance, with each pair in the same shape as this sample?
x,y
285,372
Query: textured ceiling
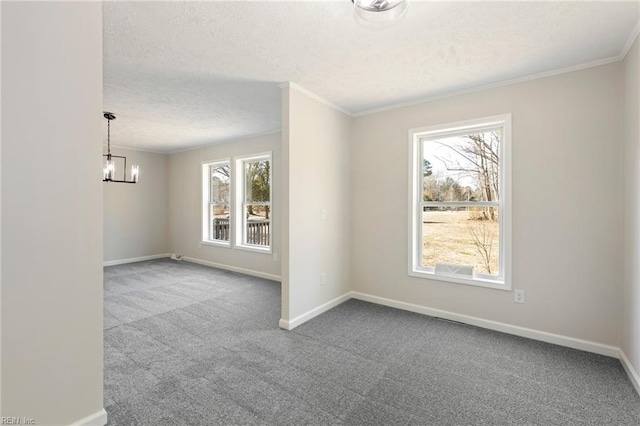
x,y
180,74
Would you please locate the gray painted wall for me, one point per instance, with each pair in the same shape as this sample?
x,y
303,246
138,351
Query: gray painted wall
x,y
316,167
51,285
631,293
185,205
567,204
136,216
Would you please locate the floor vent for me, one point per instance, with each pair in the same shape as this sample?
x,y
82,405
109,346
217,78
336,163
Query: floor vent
x,y
454,270
451,321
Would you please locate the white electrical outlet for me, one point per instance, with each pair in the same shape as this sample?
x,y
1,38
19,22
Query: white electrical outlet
x,y
323,213
518,296
323,279
275,257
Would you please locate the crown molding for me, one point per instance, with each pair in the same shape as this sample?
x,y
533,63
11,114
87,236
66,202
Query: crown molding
x,y
630,41
134,148
290,85
222,142
491,86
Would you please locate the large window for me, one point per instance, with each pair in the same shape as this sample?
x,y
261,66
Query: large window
x,y
460,202
254,201
216,196
236,202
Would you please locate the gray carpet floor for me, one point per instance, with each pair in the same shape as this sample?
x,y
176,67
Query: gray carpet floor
x,y
186,344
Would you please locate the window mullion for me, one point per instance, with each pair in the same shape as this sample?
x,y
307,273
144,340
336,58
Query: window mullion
x,y
461,203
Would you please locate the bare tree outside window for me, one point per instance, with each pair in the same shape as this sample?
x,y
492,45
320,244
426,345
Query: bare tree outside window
x,y
257,201
463,169
258,187
219,199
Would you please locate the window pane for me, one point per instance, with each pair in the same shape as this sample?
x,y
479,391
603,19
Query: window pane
x,y
462,168
257,181
220,184
462,236
219,214
257,225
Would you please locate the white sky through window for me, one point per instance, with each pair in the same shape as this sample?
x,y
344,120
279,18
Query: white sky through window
x,y
442,152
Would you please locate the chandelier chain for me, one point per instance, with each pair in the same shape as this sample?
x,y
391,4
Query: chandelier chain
x,y
108,136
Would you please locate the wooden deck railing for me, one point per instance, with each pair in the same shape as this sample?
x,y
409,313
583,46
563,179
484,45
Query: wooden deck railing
x,y
221,229
258,231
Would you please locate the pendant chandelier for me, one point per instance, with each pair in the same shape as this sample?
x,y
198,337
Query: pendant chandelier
x,y
109,169
379,10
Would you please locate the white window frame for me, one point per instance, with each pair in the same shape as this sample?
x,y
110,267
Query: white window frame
x,y
240,204
416,138
206,203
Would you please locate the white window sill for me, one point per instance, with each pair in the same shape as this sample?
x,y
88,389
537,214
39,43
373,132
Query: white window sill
x,y
497,284
255,249
224,244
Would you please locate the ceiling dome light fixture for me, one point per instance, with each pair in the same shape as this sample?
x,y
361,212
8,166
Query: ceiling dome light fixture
x,y
109,168
379,10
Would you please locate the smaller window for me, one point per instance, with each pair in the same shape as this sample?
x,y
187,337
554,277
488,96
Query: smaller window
x,y
254,230
216,219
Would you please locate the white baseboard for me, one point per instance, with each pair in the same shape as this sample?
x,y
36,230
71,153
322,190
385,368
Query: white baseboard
x,y
135,259
234,269
301,319
631,372
96,419
543,336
